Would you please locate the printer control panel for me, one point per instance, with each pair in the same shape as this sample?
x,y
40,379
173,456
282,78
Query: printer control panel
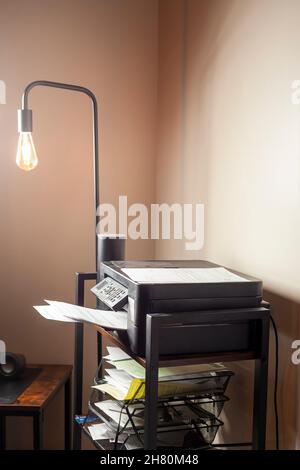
x,y
110,292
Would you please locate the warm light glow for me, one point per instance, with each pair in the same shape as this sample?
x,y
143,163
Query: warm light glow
x,y
26,155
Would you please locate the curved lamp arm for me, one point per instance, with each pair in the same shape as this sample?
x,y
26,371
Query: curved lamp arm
x,y
25,125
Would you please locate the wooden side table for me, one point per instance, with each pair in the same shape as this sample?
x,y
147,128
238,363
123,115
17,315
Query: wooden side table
x,y
34,400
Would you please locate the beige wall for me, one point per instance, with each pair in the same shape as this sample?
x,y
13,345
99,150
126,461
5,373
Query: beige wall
x,y
47,215
229,137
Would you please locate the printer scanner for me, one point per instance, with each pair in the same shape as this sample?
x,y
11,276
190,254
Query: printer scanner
x,y
143,287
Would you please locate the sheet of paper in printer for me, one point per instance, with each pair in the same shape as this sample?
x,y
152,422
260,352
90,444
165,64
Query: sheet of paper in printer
x,y
63,311
50,313
181,275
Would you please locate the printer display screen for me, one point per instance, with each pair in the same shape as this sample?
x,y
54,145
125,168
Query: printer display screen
x,y
111,293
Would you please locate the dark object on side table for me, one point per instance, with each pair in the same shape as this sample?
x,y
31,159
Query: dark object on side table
x,y
14,366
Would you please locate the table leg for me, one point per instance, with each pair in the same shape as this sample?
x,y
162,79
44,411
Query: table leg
x,y
38,419
152,355
78,365
68,412
2,432
260,391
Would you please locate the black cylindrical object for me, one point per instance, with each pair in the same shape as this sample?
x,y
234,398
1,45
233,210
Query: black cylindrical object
x,y
14,366
110,248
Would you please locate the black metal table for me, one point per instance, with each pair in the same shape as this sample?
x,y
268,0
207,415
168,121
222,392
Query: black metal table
x,y
258,317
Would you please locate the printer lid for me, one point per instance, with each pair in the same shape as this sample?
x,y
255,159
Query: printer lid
x,y
182,278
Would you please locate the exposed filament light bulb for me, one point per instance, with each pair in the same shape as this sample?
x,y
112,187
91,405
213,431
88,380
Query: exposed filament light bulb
x,y
26,154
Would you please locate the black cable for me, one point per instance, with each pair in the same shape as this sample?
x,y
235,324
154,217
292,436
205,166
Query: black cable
x,y
276,381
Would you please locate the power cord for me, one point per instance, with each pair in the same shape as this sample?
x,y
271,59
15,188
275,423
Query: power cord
x,y
276,381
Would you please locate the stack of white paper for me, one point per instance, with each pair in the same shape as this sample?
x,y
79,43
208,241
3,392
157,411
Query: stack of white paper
x,y
116,354
101,431
135,370
126,381
114,410
62,311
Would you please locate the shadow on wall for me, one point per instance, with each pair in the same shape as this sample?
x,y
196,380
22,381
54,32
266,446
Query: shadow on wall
x,y
286,313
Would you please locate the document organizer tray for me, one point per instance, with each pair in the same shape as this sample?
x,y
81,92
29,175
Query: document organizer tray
x,y
203,383
176,421
184,420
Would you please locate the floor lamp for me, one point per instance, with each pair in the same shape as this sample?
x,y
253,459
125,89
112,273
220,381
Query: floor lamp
x,y
106,247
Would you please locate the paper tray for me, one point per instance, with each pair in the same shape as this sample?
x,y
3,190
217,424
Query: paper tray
x,y
194,434
177,415
195,385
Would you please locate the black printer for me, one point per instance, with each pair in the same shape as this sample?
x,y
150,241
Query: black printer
x,y
143,287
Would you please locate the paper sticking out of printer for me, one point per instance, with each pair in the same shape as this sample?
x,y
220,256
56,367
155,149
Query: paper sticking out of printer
x,y
62,311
